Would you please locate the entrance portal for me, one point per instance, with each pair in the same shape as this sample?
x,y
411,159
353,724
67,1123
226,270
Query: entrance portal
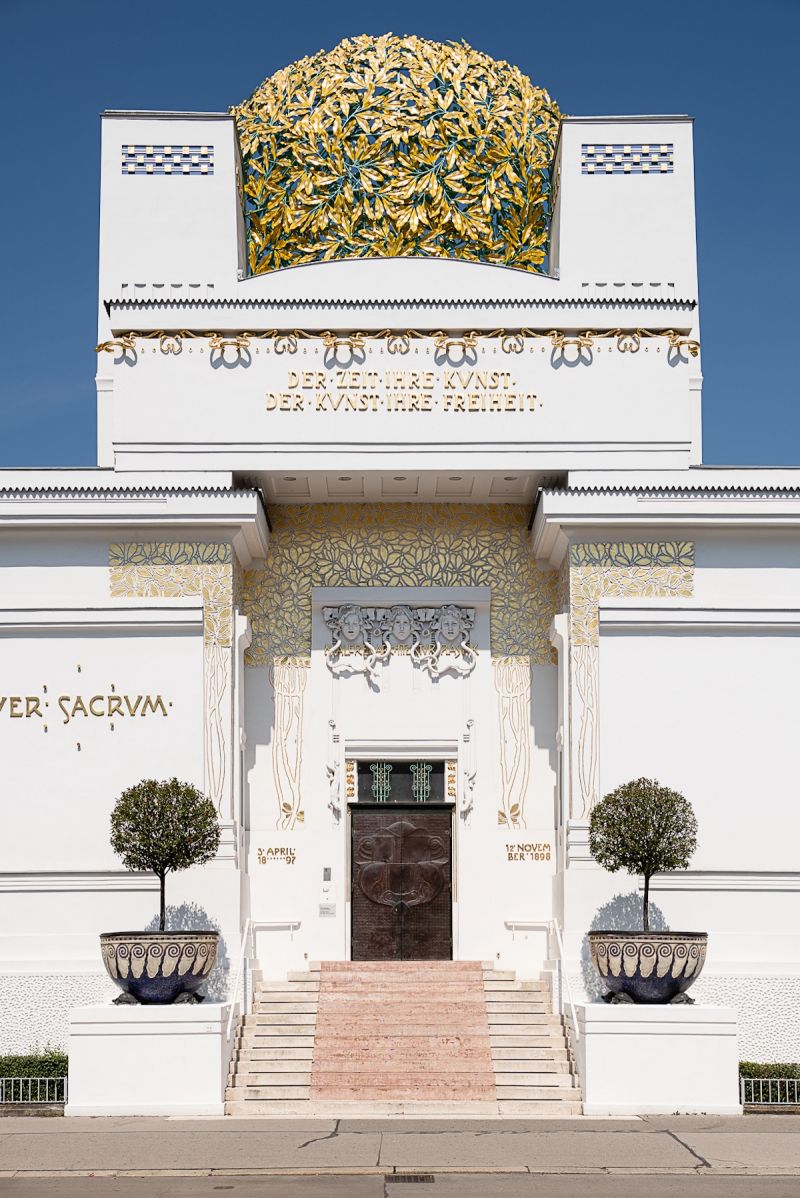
x,y
401,882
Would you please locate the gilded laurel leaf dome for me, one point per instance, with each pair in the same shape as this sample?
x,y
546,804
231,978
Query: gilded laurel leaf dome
x,y
397,147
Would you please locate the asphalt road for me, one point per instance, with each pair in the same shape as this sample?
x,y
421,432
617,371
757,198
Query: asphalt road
x,y
452,1185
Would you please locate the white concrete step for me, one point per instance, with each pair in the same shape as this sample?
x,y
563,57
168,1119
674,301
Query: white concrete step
x,y
249,1094
271,1079
280,1019
498,1006
279,1053
514,987
549,1108
292,1007
284,987
504,1077
255,1039
526,1065
558,1055
554,1093
526,1018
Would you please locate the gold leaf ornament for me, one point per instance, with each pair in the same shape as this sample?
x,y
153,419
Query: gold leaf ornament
x,y
397,147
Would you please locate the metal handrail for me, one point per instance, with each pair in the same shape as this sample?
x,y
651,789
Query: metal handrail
x,y
291,925
565,974
551,925
248,924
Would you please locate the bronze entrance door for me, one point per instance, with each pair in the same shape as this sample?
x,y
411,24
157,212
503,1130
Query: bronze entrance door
x,y
401,882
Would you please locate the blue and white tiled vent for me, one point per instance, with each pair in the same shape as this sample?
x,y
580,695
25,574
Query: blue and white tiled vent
x,y
167,160
633,159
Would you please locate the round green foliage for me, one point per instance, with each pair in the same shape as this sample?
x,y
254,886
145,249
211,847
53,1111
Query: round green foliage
x,y
164,826
643,828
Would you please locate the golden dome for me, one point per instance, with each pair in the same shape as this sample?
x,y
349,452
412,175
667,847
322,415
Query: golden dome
x,y
397,147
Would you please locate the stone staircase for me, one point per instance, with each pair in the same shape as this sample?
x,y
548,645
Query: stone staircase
x,y
432,1036
533,1070
274,1046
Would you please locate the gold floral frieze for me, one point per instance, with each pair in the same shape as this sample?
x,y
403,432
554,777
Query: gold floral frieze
x,y
398,545
574,346
170,569
639,569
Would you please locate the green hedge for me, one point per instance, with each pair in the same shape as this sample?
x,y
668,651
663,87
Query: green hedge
x,y
50,1062
756,1069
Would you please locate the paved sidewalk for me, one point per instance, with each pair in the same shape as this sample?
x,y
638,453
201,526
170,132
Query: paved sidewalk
x,y
711,1147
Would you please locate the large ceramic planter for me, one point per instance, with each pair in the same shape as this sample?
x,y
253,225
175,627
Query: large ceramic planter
x,y
157,967
648,967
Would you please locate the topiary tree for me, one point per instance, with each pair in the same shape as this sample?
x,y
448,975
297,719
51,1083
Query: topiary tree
x,y
644,828
164,826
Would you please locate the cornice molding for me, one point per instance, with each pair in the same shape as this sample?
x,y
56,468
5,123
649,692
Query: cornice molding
x,y
77,881
397,303
681,615
179,614
734,880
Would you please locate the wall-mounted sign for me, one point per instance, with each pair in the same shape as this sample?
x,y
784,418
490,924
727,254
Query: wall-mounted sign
x,y
327,910
281,853
532,851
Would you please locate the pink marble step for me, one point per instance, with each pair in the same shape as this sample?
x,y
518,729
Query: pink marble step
x,y
393,1031
398,966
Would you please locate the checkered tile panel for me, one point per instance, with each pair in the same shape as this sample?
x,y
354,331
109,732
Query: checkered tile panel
x,y
167,160
634,159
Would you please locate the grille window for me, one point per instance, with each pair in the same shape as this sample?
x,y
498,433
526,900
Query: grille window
x,y
401,782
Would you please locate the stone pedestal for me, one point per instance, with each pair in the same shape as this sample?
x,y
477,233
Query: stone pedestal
x,y
658,1060
148,1060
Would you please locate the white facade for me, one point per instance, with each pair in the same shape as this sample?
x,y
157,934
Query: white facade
x,y
414,433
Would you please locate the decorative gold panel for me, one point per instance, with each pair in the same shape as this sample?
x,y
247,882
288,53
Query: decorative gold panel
x,y
512,680
638,569
397,146
398,545
150,569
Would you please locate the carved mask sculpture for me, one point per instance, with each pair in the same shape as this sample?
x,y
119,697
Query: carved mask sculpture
x,y
400,624
450,625
350,623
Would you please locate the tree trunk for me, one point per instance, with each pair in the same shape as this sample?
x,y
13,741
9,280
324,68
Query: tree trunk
x,y
646,907
162,878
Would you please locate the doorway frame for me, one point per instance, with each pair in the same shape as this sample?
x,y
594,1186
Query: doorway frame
x,y
434,749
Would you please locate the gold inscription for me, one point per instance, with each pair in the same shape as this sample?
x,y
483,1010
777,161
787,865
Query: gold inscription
x,y
539,851
18,707
456,390
287,855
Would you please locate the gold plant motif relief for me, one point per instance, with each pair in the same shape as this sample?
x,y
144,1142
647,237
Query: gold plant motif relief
x,y
350,779
512,679
151,569
171,569
653,569
288,683
399,545
398,341
397,146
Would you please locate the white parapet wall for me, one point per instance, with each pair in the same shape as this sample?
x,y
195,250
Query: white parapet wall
x,y
658,1060
149,1060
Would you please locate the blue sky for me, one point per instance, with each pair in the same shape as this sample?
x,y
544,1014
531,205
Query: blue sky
x,y
731,64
